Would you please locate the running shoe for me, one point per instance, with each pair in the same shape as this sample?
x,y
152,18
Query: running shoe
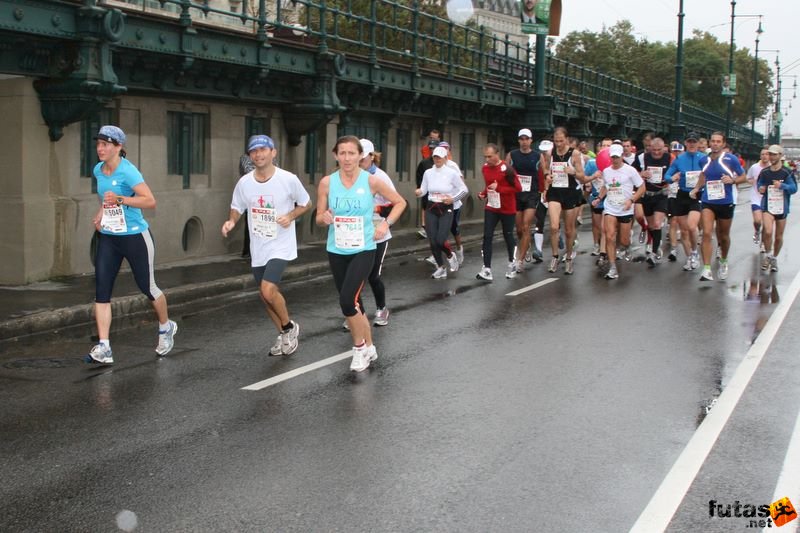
x,y
763,249
688,266
511,271
372,354
573,255
276,347
612,272
706,275
460,255
441,273
673,255
518,266
485,274
773,264
553,264
289,340
651,259
596,249
432,260
453,262
602,261
166,339
568,269
757,238
722,271
345,325
537,256
381,317
421,233
695,259
100,353
642,236
361,359
766,263
528,256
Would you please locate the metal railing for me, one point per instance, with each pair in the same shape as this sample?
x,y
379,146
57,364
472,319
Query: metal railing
x,y
394,33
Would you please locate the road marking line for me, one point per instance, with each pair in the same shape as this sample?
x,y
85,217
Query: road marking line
x,y
531,287
788,484
298,371
665,502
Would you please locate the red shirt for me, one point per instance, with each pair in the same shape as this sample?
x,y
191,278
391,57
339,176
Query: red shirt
x,y
508,193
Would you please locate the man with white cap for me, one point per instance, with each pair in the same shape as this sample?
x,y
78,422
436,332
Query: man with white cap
x,y
274,198
622,187
775,184
525,161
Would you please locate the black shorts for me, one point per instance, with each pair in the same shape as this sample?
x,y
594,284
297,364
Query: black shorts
x,y
684,204
776,217
654,202
597,210
423,201
455,226
271,272
626,219
527,200
721,211
568,197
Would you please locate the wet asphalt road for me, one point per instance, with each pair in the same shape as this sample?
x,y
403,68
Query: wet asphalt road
x,y
559,409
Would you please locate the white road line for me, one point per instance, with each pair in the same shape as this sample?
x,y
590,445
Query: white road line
x,y
662,506
531,287
788,481
298,371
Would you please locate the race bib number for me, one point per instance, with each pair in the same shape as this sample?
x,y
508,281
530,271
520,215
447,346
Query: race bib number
x,y
436,197
691,178
263,222
774,200
493,199
615,196
673,190
715,190
656,175
348,232
113,219
560,177
525,181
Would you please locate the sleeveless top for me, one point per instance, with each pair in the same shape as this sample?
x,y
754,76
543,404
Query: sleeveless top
x,y
566,158
352,230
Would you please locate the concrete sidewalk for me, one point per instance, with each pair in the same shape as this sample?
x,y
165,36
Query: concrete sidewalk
x,y
69,302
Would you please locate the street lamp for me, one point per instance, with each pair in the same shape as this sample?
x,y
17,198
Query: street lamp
x,y
730,72
759,31
677,127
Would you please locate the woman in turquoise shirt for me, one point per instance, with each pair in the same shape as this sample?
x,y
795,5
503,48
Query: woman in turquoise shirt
x,y
345,205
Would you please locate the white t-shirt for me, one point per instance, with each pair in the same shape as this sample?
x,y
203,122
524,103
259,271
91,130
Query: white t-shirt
x,y
752,177
380,200
265,202
620,184
452,164
444,180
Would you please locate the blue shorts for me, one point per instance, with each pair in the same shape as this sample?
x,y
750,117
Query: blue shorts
x,y
755,207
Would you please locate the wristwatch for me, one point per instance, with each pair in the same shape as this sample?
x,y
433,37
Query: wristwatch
x,y
120,200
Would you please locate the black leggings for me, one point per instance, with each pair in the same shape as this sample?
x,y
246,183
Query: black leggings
x,y
490,220
349,274
375,281
438,228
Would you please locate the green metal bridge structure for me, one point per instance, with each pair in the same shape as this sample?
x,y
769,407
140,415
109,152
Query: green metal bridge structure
x,y
317,59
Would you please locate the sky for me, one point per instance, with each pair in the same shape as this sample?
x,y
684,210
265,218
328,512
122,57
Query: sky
x,y
657,20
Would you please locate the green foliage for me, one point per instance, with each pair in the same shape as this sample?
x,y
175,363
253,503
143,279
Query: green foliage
x,y
617,52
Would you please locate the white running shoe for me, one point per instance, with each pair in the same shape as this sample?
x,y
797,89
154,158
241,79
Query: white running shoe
x,y
345,325
441,273
371,355
706,275
688,266
430,259
100,353
453,262
673,255
421,233
773,264
460,255
553,265
289,340
722,271
568,267
361,359
520,268
485,273
166,339
528,255
596,249
765,263
695,260
381,317
276,348
511,271
612,272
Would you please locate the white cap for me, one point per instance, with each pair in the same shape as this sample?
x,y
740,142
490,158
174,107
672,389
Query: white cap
x,y
615,150
367,146
525,132
440,151
545,146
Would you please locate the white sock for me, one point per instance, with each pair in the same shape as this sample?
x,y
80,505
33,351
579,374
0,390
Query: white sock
x,y
106,343
538,240
163,327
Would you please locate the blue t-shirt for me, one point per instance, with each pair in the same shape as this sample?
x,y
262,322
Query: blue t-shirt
x,y
714,169
355,205
686,162
125,177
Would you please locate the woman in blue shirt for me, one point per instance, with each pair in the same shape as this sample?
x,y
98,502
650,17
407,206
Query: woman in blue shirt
x,y
123,234
345,204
